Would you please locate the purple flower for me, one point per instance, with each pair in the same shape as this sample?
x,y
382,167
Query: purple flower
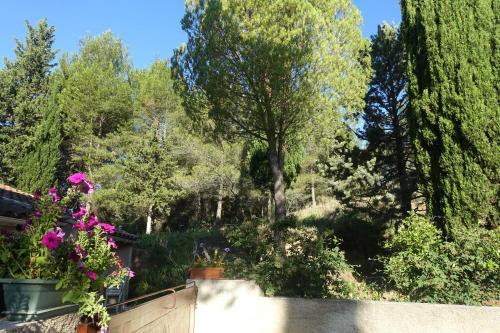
x,y
91,275
80,225
77,178
131,273
73,256
111,242
59,233
107,228
37,212
80,179
227,250
80,251
81,212
37,195
93,221
54,194
51,240
202,244
80,265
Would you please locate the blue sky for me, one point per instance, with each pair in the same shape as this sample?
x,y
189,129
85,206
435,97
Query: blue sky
x,y
150,28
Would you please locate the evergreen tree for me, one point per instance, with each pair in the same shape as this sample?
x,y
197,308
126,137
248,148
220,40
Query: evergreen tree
x,y
96,99
265,69
41,167
23,92
385,116
453,62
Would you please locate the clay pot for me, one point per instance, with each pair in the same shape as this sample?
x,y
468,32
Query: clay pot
x,y
87,328
207,273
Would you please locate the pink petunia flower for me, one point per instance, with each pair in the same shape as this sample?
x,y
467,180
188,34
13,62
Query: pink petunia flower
x,y
107,228
131,273
80,225
81,212
73,256
111,242
77,178
59,233
54,194
51,240
80,251
37,195
93,221
80,179
91,275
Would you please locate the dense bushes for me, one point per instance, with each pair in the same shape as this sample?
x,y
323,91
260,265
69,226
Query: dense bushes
x,y
163,260
310,265
426,268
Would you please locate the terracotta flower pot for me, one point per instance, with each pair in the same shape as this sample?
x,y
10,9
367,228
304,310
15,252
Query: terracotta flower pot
x,y
207,273
87,328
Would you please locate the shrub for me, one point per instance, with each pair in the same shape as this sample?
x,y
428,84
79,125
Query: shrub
x,y
163,260
310,265
426,268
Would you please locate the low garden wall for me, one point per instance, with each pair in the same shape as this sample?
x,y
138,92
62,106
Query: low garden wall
x,y
61,324
225,306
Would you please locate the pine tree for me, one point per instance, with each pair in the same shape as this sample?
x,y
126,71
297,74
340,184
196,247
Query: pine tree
x,y
385,116
453,62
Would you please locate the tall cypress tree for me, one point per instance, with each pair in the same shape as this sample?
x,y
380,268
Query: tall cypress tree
x,y
42,166
453,71
23,95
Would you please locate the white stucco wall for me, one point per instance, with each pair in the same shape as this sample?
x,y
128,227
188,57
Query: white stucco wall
x,y
228,306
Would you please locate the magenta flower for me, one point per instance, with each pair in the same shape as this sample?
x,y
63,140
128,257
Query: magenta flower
x,y
80,251
111,242
59,233
37,212
107,228
73,256
131,273
91,275
80,179
81,212
54,194
80,225
77,178
93,221
51,240
37,195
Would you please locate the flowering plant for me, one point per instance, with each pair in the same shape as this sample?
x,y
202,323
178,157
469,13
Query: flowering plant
x,y
79,259
206,256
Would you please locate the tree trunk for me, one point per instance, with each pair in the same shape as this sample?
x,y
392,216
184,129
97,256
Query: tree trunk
x,y
404,188
269,205
313,193
149,221
218,213
276,162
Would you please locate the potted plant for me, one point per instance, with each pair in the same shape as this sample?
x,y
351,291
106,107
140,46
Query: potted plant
x,y
73,266
29,266
208,263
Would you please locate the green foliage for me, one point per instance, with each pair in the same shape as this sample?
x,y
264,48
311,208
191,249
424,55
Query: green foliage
x,y
454,100
426,268
267,72
311,264
42,167
22,254
385,117
24,85
163,259
96,98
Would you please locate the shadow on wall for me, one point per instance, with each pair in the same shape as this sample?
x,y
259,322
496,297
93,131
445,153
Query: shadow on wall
x,y
228,306
240,306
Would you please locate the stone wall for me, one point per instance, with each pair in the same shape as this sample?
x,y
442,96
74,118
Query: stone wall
x,y
228,306
60,324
